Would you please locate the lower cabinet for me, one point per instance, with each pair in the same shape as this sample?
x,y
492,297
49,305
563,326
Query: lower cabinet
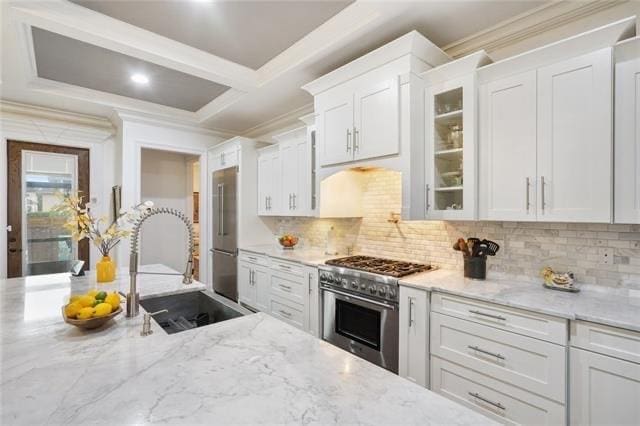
x,y
286,290
605,375
414,335
493,398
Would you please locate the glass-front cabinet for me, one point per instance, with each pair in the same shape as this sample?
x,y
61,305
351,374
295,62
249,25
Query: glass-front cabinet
x,y
450,184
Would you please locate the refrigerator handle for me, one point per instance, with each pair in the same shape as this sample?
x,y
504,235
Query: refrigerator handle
x,y
222,209
220,204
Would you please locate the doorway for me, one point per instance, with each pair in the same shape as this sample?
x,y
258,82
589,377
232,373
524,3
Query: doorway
x,y
37,242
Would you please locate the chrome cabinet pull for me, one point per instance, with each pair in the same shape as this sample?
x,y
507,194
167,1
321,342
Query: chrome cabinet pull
x,y
266,203
289,201
488,401
293,197
269,202
426,199
527,194
250,277
285,313
288,268
348,140
477,349
222,162
356,145
542,188
410,312
310,284
285,287
484,314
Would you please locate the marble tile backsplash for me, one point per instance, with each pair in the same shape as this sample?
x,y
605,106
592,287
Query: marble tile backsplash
x,y
600,254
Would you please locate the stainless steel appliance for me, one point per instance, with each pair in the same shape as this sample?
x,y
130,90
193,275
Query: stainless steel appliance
x,y
225,232
360,306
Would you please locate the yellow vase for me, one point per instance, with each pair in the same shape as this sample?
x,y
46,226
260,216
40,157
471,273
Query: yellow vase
x,y
105,270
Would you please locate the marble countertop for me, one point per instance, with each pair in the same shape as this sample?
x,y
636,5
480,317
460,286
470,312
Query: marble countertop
x,y
306,256
254,369
604,307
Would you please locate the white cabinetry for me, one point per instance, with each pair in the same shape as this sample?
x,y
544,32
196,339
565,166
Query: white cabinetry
x,y
335,124
285,176
253,281
414,335
546,142
604,389
269,181
223,157
627,132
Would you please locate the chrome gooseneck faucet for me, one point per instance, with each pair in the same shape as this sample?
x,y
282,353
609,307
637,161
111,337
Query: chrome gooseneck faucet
x,y
133,298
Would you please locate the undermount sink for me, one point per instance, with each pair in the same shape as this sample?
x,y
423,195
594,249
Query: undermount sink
x,y
191,310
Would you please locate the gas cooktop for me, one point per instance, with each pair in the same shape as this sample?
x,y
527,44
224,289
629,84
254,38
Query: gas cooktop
x,y
376,265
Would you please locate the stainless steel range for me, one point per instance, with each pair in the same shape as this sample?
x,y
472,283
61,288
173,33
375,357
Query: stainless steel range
x,y
360,306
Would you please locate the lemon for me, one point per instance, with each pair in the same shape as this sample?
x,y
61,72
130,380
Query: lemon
x,y
74,298
86,301
85,313
113,299
103,309
101,295
72,309
92,293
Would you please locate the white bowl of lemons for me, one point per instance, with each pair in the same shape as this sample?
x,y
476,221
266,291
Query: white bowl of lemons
x,y
91,310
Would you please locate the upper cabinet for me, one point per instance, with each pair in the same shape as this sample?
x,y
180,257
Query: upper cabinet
x,y
370,114
450,138
285,172
627,132
546,131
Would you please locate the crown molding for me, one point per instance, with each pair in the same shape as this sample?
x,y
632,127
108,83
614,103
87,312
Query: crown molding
x,y
529,24
278,123
10,109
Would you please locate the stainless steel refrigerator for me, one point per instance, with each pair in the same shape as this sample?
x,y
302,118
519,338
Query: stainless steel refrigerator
x,y
225,232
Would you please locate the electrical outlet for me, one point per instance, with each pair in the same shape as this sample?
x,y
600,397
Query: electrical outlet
x,y
606,254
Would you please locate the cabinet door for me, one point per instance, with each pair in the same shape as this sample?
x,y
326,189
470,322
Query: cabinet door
x,y
301,202
377,120
414,335
627,142
575,139
246,289
335,129
507,148
290,184
313,301
604,390
261,288
265,178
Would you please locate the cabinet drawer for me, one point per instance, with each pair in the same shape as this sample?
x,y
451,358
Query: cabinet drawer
x,y
257,259
287,267
288,287
528,363
288,312
617,342
540,326
497,400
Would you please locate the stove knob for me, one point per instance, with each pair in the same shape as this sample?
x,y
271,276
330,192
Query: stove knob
x,y
344,282
372,289
363,286
323,277
392,293
329,278
382,291
354,284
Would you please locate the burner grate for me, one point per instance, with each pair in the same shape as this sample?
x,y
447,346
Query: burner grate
x,y
376,265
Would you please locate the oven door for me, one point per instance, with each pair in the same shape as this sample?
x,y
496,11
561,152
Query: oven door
x,y
366,328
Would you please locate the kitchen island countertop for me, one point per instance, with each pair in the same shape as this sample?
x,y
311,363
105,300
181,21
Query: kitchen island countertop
x,y
254,369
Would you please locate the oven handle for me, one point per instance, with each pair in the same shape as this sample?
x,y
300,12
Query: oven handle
x,y
363,299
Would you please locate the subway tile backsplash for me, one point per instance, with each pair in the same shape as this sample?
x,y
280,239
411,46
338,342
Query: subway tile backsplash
x,y
600,254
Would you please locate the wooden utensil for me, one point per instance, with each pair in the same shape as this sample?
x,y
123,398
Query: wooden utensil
x,y
464,248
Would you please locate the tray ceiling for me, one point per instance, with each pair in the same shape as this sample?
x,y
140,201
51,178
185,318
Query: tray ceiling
x,y
71,61
249,33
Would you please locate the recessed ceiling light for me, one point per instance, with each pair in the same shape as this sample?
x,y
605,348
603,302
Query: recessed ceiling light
x,y
140,78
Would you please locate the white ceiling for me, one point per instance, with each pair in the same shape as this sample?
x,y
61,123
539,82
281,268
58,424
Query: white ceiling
x,y
246,32
256,95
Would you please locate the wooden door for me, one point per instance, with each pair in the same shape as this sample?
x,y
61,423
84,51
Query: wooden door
x,y
16,243
575,139
507,148
604,390
377,120
414,335
627,142
335,129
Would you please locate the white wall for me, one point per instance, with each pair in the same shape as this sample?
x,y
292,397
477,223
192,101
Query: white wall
x,y
37,125
167,181
138,134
